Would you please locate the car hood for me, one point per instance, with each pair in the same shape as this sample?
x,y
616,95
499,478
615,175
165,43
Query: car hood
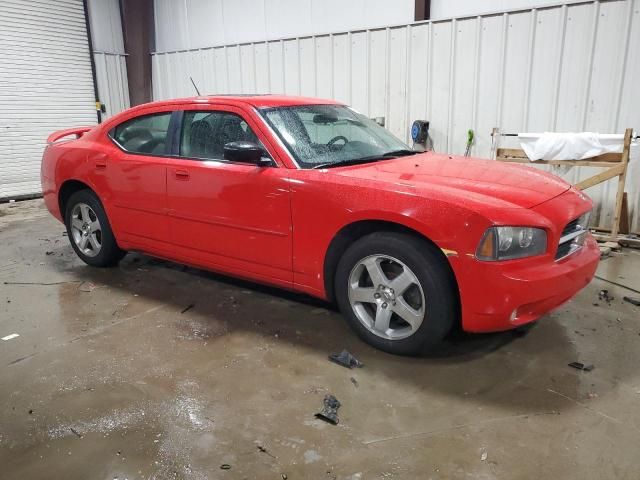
x,y
511,184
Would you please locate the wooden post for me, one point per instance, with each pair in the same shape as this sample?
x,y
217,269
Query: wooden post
x,y
621,180
495,133
625,228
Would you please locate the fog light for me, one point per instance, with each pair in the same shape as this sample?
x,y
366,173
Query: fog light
x,y
514,315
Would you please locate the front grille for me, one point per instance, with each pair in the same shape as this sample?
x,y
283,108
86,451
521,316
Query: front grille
x,y
564,249
570,228
567,247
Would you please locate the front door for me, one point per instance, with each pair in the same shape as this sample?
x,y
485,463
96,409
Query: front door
x,y
230,216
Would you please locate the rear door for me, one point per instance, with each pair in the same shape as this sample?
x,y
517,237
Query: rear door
x,y
134,172
230,216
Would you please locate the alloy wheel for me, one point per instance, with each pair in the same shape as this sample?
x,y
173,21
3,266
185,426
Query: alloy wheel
x,y
386,297
86,230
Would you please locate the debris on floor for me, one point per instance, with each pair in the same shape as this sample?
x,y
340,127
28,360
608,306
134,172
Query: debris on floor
x,y
604,295
581,366
611,245
484,456
616,284
40,283
607,248
225,466
187,308
87,287
264,450
632,301
11,337
329,411
355,382
345,359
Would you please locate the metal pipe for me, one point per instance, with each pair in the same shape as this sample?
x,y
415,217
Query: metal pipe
x,y
93,63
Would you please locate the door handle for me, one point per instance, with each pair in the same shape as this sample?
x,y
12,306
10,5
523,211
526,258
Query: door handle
x,y
181,174
101,164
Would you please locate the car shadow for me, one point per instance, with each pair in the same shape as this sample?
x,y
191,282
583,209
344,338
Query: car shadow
x,y
457,344
507,368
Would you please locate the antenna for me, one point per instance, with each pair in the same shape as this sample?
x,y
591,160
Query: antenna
x,y
194,86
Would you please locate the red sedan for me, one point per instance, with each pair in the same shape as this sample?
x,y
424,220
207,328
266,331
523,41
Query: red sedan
x,y
310,195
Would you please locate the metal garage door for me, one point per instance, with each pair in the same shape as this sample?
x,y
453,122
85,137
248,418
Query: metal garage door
x,y
45,84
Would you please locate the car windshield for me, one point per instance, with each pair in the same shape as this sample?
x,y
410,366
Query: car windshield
x,y
331,135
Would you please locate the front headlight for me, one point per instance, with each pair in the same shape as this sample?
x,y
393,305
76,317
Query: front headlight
x,y
507,243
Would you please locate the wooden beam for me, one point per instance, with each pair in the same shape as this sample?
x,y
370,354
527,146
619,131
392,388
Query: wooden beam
x,y
139,41
621,239
599,178
572,163
422,10
608,230
511,154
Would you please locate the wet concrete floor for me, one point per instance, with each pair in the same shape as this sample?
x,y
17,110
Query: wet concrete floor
x,y
109,378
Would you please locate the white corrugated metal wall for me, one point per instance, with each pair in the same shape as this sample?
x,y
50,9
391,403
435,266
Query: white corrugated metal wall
x,y
448,9
569,67
109,55
45,84
184,24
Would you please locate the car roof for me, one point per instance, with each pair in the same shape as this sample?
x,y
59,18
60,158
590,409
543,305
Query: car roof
x,y
255,100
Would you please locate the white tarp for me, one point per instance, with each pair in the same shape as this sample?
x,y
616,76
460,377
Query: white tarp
x,y
569,146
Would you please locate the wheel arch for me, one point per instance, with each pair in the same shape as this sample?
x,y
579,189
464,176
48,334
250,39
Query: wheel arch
x,y
68,188
358,229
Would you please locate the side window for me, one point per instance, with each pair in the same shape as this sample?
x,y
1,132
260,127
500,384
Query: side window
x,y
204,134
145,134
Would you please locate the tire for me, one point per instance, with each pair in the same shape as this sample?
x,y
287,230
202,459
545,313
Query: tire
x,y
98,246
401,258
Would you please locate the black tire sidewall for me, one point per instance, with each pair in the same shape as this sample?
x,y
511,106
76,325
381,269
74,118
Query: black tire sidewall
x,y
435,277
110,254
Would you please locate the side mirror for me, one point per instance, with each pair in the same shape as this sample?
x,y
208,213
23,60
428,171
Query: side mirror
x,y
246,152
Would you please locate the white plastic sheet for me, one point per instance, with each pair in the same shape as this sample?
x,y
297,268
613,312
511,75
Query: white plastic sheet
x,y
569,146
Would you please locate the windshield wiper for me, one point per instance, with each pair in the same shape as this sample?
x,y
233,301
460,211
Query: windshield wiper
x,y
353,161
400,153
372,158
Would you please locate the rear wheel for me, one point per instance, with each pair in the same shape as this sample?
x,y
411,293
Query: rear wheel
x,y
89,230
397,292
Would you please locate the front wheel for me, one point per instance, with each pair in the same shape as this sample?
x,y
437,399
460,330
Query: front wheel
x,y
89,230
397,292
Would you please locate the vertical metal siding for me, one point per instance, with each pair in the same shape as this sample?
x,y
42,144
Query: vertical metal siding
x,y
113,87
191,24
45,84
567,67
109,55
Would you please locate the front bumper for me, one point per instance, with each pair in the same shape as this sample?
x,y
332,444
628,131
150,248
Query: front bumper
x,y
507,296
498,296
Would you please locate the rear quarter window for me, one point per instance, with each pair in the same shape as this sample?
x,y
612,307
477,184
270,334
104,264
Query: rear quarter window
x,y
146,134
